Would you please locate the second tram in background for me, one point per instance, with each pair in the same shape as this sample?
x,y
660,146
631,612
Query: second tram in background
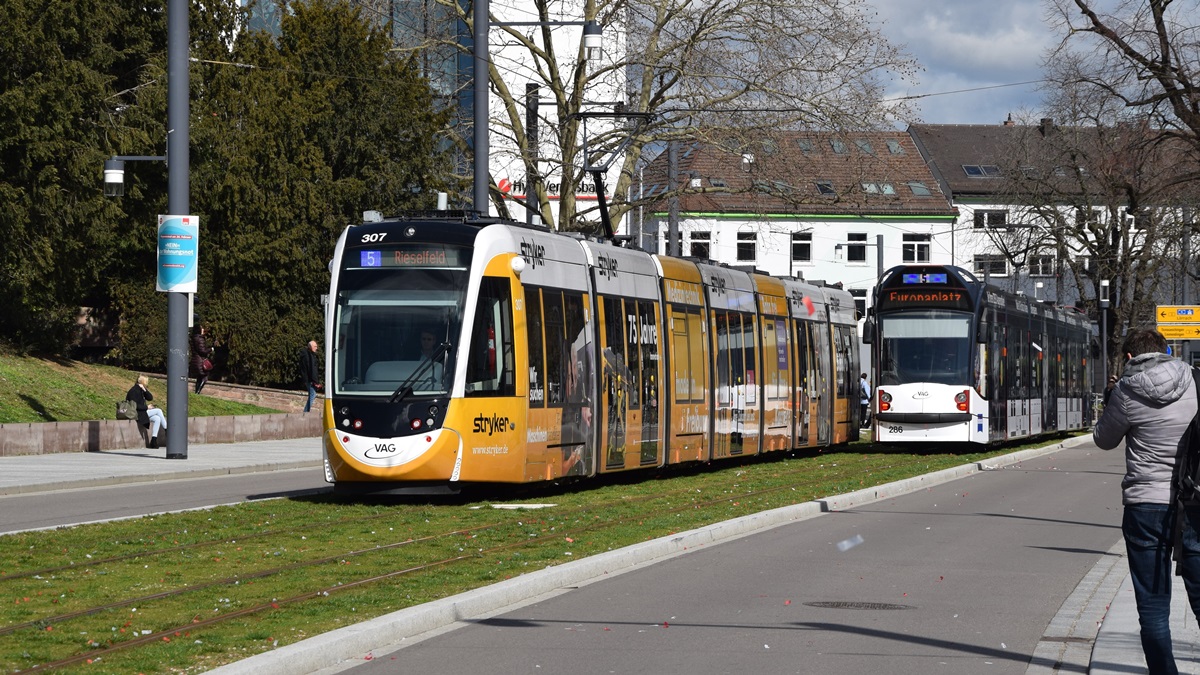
x,y
958,361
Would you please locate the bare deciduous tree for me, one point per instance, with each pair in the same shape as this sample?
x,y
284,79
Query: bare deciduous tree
x,y
689,69
1144,53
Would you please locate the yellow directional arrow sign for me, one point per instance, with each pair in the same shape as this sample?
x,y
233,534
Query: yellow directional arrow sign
x,y
1179,331
1177,314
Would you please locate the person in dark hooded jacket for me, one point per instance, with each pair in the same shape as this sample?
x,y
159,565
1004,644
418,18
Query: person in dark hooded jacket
x,y
1151,406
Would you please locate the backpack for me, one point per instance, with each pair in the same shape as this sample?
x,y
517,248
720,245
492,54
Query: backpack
x,y
1187,462
1186,478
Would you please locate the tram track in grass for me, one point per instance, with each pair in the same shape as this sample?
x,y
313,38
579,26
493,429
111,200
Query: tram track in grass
x,y
181,626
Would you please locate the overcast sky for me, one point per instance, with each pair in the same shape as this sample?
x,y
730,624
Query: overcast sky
x,y
968,44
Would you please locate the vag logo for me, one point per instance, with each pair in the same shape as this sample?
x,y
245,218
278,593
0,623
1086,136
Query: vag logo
x,y
606,267
492,425
534,254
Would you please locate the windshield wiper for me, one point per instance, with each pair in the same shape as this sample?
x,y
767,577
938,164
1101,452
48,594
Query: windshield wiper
x,y
405,387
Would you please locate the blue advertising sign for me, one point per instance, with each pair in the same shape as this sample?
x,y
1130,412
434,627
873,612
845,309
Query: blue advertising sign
x,y
178,241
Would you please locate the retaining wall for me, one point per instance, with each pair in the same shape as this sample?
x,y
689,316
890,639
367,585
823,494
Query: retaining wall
x,y
92,435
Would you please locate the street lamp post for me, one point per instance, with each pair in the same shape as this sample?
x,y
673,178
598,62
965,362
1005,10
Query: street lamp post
x,y
178,112
177,204
480,59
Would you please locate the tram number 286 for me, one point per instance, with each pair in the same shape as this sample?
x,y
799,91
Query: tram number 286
x,y
895,429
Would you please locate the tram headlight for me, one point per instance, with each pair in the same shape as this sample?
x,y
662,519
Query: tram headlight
x,y
885,401
357,424
961,399
415,423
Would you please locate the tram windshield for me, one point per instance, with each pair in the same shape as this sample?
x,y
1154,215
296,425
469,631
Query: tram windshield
x,y
925,346
390,326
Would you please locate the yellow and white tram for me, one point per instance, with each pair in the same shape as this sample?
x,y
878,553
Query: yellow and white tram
x,y
462,351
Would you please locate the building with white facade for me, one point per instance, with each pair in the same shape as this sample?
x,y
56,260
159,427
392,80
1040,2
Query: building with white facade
x,y
822,206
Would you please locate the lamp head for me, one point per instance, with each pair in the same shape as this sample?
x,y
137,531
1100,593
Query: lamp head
x,y
593,37
114,178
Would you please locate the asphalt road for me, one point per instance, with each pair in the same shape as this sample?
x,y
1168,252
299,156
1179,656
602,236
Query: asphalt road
x,y
90,504
963,577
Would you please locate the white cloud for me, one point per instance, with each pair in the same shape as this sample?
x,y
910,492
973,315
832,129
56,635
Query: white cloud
x,y
970,44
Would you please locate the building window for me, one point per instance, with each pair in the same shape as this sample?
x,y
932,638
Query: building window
x,y
1041,265
856,247
895,148
860,301
825,187
746,245
990,264
879,188
981,170
865,145
718,182
1087,216
700,245
1141,219
992,218
919,189
802,247
839,147
805,146
916,248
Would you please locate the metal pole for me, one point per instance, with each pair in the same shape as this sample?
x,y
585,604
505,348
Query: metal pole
x,y
177,204
481,75
1103,347
531,139
673,247
878,263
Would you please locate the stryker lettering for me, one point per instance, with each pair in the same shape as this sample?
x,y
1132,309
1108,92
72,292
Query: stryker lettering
x,y
492,425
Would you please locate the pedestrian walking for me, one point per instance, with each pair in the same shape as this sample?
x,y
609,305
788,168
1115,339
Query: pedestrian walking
x,y
864,388
1151,406
310,373
201,357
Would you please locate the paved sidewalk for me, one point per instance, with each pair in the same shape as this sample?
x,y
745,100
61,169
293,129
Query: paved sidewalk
x,y
1116,650
24,474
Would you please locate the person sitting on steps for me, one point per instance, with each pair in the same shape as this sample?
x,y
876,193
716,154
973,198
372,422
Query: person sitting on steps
x,y
149,416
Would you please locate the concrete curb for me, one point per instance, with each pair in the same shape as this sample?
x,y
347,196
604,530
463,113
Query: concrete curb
x,y
352,643
105,481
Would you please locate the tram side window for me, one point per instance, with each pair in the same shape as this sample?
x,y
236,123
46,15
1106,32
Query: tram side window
x,y
537,370
687,356
490,371
648,337
845,342
775,358
750,358
579,350
620,370
721,376
633,354
555,355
